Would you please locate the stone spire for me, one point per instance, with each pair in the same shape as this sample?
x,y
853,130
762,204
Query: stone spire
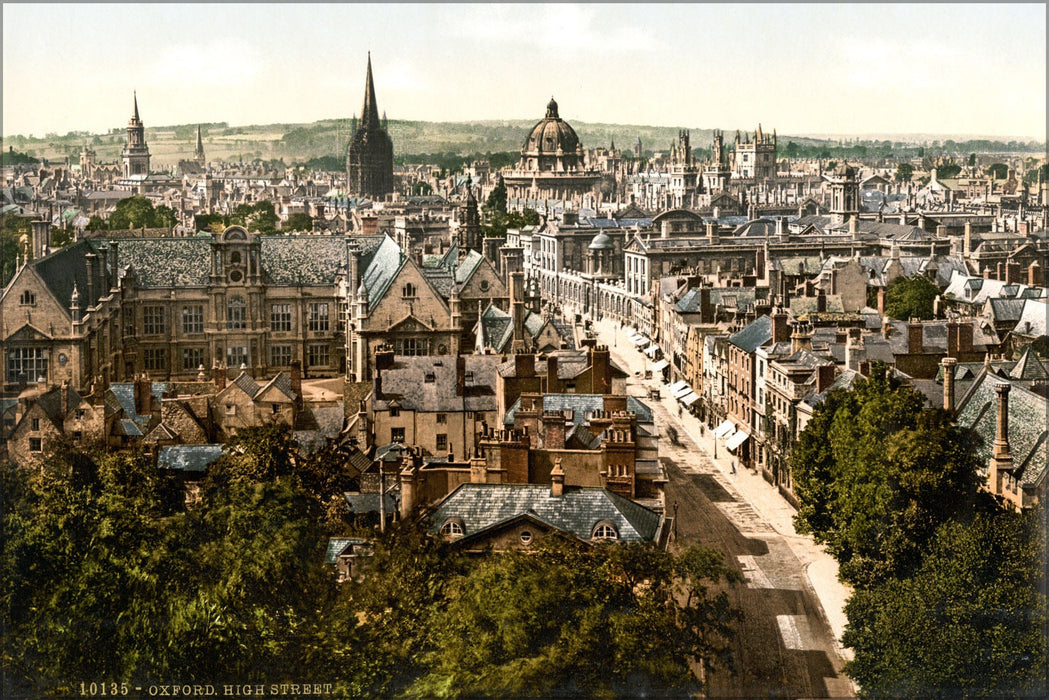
x,y
134,115
370,110
199,153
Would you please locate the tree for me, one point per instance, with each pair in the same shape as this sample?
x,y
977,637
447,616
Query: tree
x,y
12,230
876,473
972,160
298,222
970,622
948,170
96,223
496,203
904,172
999,171
1032,175
910,297
259,217
625,620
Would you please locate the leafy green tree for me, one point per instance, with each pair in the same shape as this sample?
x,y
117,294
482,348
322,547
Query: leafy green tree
x,y
130,213
298,222
1032,175
563,620
96,223
496,202
948,170
970,622
420,189
904,172
876,473
259,217
972,160
910,297
999,171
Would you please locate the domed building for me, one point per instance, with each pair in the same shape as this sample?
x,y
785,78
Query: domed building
x,y
369,157
553,166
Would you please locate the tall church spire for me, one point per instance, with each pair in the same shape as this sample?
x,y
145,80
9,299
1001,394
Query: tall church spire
x,y
134,116
370,110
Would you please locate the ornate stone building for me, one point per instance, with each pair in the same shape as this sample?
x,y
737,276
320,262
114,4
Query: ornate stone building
x,y
369,157
552,165
755,159
136,153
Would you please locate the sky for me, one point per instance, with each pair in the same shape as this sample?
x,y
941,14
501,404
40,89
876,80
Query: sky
x,y
841,69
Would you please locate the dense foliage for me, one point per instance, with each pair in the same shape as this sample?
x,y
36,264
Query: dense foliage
x,y
946,600
13,157
139,212
105,574
12,230
910,297
260,217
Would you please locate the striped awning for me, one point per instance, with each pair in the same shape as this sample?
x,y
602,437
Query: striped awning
x,y
724,430
689,399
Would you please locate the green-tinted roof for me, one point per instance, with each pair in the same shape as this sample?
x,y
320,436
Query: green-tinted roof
x,y
577,511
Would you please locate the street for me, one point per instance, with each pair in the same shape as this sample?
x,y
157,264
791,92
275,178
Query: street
x,y
786,646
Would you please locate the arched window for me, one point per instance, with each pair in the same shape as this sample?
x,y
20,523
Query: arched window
x,y
452,528
408,291
27,298
605,530
235,313
234,258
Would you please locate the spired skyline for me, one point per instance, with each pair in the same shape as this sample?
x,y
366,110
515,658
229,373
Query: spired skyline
x,y
965,69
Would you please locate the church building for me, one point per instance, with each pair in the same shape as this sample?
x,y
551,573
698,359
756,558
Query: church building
x,y
369,157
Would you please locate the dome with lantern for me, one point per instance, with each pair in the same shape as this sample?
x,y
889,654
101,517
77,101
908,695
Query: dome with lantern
x,y
552,145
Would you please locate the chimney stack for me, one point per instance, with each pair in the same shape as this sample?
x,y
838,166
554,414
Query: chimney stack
x,y
914,337
557,479
1001,458
824,377
553,385
948,364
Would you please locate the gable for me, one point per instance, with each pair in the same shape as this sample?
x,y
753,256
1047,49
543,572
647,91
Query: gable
x,y
409,324
484,282
14,313
27,334
422,300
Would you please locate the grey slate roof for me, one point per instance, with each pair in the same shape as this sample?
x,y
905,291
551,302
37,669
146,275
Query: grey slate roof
x,y
188,458
1027,425
311,260
65,267
1028,367
754,335
497,327
338,546
381,267
577,511
166,262
406,384
368,503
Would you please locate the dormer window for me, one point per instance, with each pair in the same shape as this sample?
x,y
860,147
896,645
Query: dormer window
x,y
453,527
605,531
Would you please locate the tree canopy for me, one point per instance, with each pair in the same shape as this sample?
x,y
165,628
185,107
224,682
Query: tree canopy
x,y
298,222
138,212
999,171
910,297
875,473
968,623
904,172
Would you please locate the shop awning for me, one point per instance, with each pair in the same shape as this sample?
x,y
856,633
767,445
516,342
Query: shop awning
x,y
683,391
642,340
660,366
677,386
652,350
635,337
689,399
725,429
736,440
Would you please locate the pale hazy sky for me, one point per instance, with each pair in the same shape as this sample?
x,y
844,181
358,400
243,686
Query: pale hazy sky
x,y
803,69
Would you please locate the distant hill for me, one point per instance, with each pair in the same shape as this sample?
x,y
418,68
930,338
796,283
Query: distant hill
x,y
298,143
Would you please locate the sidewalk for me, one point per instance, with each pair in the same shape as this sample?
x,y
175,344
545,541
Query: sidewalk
x,y
821,568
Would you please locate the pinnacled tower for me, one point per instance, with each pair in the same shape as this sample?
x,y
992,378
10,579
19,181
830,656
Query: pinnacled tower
x,y
369,157
469,235
135,154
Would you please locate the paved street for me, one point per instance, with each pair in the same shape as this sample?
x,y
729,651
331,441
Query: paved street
x,y
787,644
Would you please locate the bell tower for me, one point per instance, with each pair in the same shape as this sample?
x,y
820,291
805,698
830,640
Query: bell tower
x,y
136,153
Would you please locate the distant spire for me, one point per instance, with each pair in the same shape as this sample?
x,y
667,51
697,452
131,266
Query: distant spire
x,y
370,110
200,147
134,116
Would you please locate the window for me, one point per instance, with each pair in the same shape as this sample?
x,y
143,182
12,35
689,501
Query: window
x,y
155,358
442,442
408,291
413,347
484,285
34,424
605,531
280,318
442,417
318,316
153,320
468,377
317,355
526,537
235,315
236,355
80,413
280,355
394,411
29,363
397,435
430,378
453,528
78,436
231,409
27,298
36,445
192,358
234,258
193,319
275,408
